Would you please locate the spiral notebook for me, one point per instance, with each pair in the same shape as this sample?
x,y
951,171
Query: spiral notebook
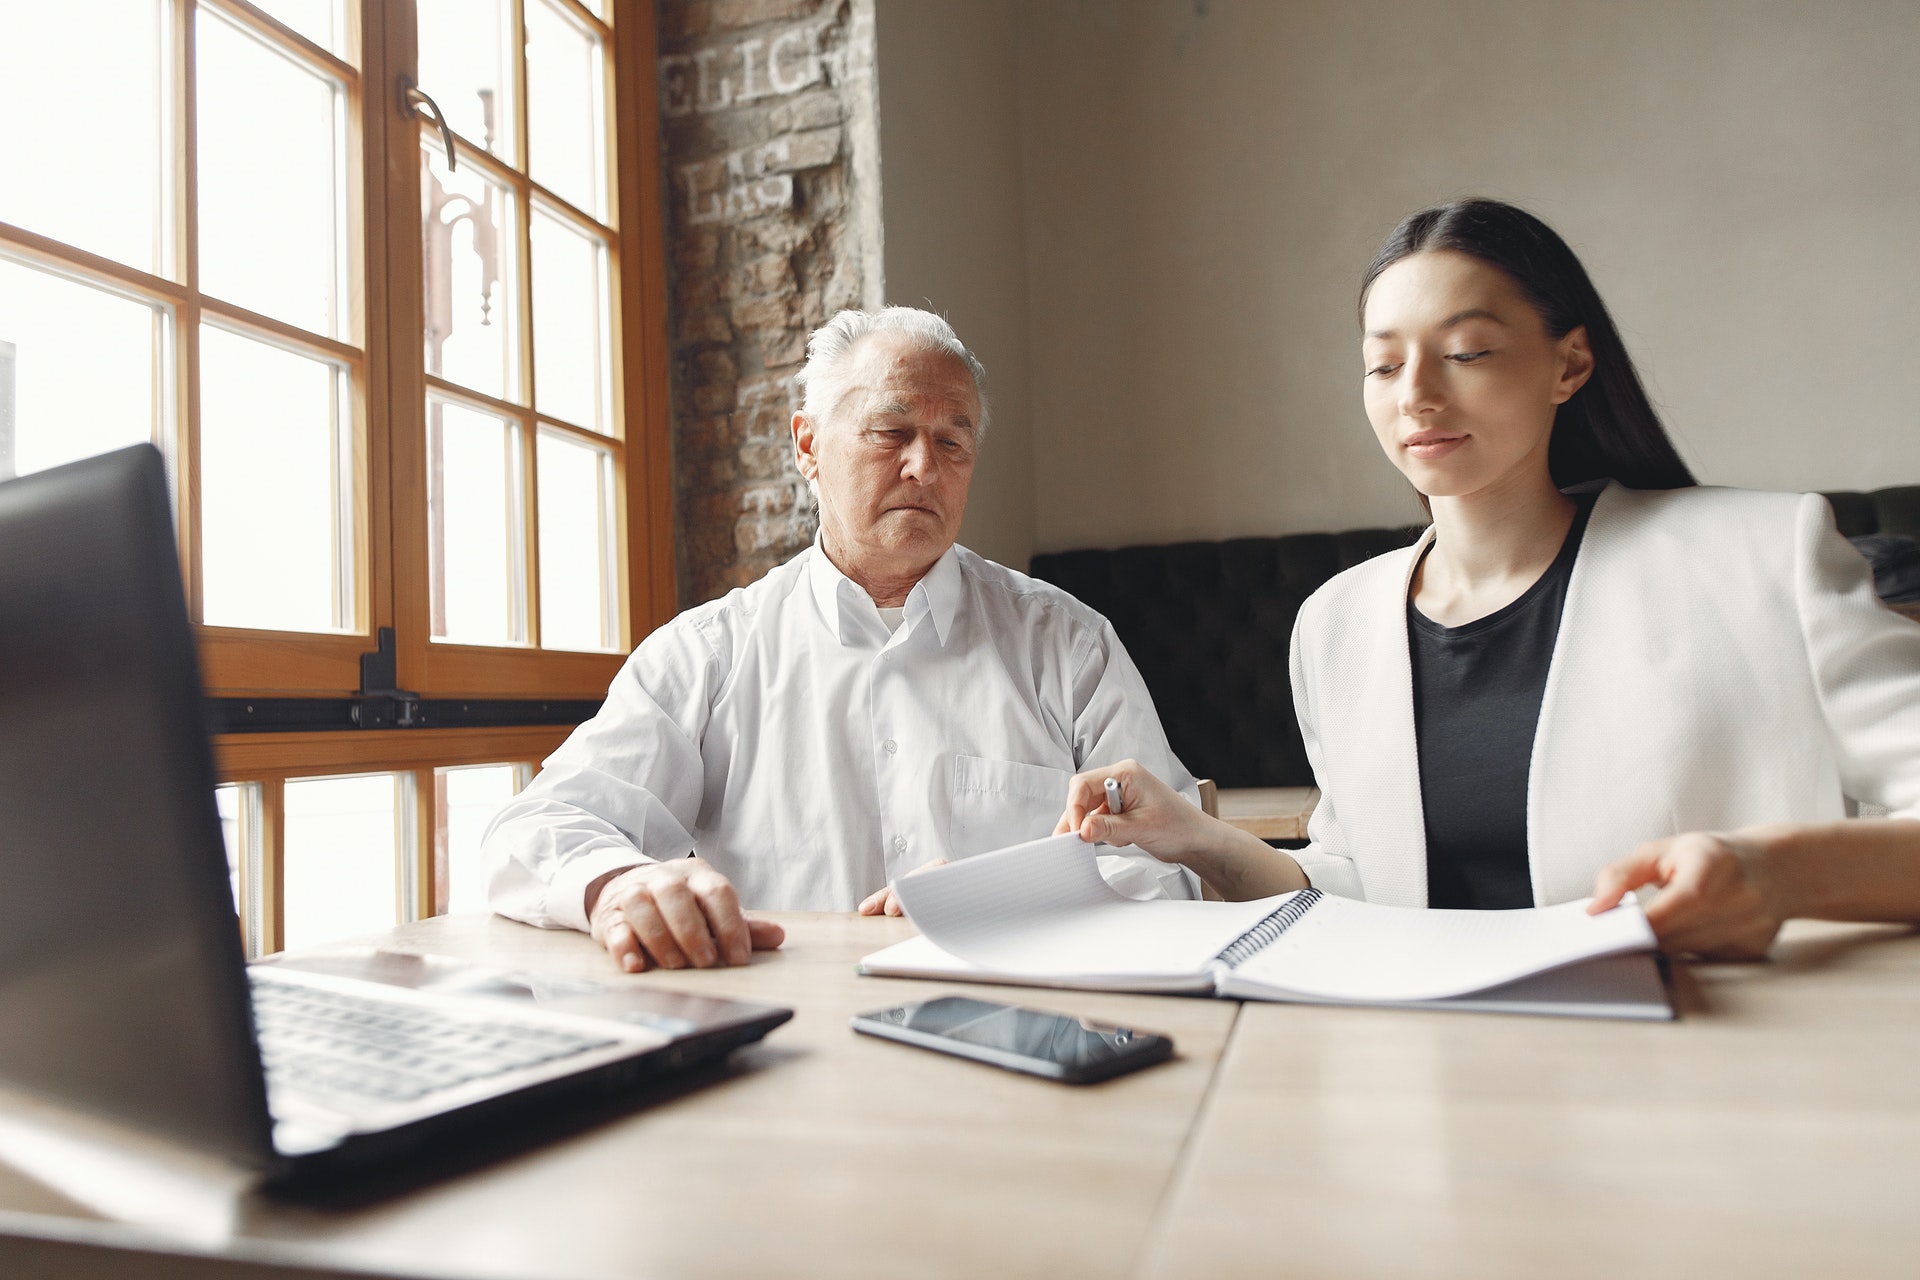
x,y
1039,914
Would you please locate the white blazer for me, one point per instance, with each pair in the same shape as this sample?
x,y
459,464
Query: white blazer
x,y
1722,661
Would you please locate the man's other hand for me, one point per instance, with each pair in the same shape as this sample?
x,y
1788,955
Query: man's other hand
x,y
675,915
885,902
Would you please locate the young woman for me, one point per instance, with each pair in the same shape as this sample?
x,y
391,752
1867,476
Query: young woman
x,y
1589,674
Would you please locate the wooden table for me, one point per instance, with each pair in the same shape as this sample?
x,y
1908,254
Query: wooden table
x,y
1774,1130
1272,813
821,1153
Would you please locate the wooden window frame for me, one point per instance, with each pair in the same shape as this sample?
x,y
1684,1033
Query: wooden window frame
x,y
271,760
396,390
382,355
245,660
640,435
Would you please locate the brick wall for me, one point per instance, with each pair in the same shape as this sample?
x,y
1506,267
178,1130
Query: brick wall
x,y
772,166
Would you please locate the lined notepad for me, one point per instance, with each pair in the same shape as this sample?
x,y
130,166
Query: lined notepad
x,y
1039,913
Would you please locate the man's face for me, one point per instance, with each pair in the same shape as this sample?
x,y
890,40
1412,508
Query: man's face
x,y
893,460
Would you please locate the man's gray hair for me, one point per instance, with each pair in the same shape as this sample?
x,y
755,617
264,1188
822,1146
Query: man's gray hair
x,y
830,355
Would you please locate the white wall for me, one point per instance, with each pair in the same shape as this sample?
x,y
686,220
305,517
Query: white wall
x,y
955,238
1204,180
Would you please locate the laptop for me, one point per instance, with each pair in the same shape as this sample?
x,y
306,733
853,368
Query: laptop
x,y
124,989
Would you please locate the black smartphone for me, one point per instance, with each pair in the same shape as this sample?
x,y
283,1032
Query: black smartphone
x,y
1054,1045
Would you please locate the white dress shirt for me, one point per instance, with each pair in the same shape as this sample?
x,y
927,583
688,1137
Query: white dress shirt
x,y
1722,661
811,754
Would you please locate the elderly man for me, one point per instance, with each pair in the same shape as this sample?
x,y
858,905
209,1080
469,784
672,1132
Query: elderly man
x,y
883,700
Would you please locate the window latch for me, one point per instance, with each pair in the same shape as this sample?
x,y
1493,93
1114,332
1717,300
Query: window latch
x,y
412,101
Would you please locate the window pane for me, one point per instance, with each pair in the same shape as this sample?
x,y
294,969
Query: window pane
x,y
321,21
270,159
240,815
227,800
463,64
80,370
276,488
468,800
81,98
566,137
571,357
476,526
471,249
577,593
343,857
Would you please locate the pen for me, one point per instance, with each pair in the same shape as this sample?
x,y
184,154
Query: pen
x,y
1113,796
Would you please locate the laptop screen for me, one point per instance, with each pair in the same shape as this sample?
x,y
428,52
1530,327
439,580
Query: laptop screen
x,y
122,979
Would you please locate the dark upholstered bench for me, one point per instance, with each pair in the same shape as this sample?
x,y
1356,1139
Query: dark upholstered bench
x,y
1208,625
1893,511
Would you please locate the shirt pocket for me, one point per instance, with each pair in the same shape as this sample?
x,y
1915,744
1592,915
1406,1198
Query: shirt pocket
x,y
1001,802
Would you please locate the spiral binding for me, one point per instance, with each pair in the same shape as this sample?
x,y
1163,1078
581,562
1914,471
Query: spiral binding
x,y
1271,926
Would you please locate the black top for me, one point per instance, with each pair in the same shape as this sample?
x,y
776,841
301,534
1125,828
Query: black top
x,y
1476,703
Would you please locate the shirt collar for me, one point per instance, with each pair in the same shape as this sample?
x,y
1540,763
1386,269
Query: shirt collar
x,y
850,609
937,595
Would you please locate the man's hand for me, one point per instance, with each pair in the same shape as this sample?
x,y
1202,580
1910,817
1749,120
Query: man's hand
x,y
885,902
675,915
1720,896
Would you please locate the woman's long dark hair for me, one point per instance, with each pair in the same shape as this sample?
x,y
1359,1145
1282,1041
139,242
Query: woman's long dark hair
x,y
1608,429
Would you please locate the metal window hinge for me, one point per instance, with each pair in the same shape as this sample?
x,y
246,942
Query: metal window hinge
x,y
378,704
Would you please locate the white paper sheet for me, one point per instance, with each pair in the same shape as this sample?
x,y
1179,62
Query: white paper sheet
x,y
1357,951
920,958
1042,909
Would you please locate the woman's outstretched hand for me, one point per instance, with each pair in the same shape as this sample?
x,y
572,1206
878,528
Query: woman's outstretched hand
x,y
1720,896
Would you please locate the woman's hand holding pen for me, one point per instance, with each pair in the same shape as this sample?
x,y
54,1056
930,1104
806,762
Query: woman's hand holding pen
x,y
1156,818
1152,815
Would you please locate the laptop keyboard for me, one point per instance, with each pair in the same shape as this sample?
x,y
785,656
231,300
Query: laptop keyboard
x,y
334,1044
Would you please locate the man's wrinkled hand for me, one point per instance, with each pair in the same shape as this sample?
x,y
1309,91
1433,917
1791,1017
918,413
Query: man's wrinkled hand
x,y
885,902
675,915
1719,896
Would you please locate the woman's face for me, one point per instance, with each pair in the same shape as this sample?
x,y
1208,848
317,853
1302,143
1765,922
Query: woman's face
x,y
1461,378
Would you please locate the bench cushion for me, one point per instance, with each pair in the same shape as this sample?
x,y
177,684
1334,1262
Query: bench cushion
x,y
1208,625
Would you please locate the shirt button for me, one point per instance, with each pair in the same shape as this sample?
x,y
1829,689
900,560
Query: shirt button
x,y
899,844
891,746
